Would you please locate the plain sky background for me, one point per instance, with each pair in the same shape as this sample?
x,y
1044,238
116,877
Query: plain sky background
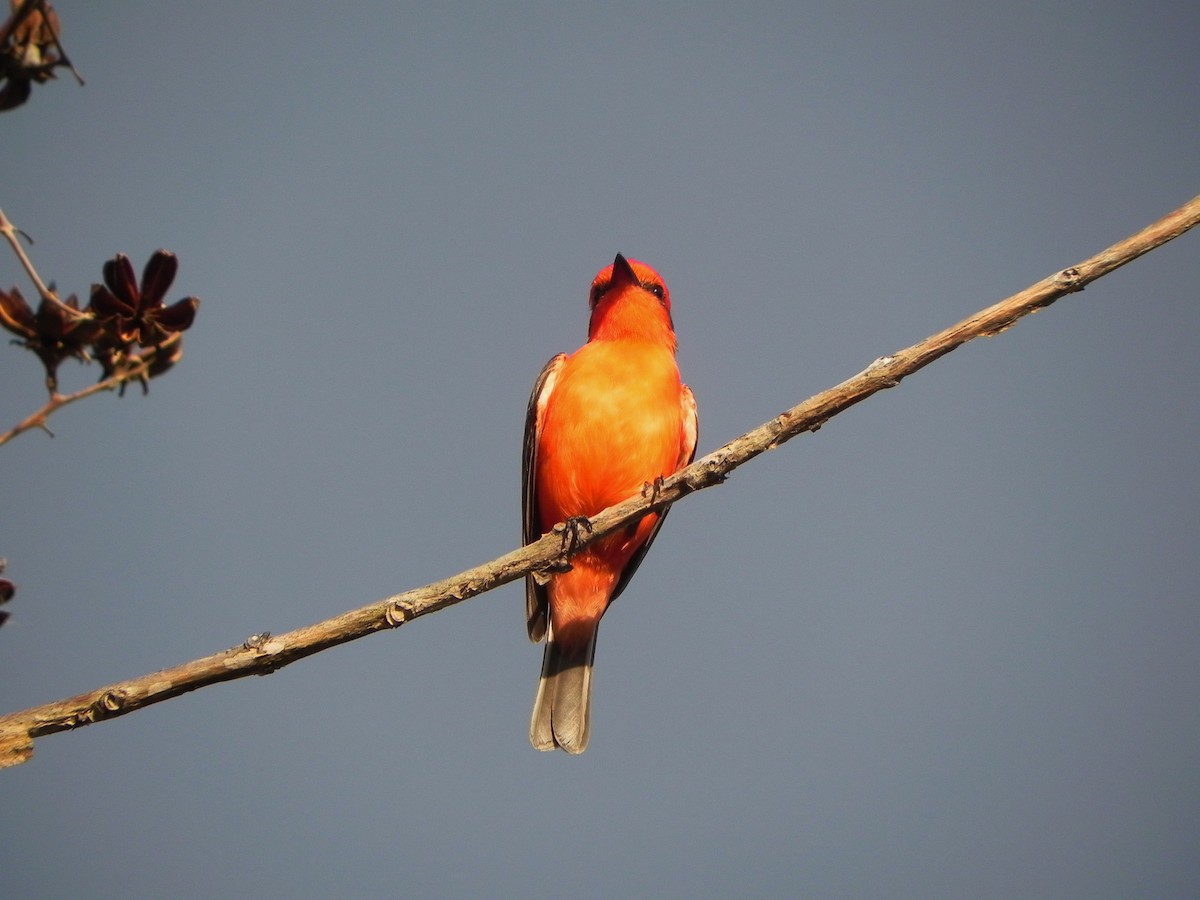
x,y
944,648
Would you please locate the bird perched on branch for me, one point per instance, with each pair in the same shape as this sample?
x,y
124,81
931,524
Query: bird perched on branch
x,y
602,424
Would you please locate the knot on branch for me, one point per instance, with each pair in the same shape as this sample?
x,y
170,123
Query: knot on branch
x,y
1069,280
878,370
396,614
709,473
256,642
266,653
109,703
777,428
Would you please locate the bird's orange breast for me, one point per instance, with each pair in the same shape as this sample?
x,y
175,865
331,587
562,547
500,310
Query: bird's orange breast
x,y
612,425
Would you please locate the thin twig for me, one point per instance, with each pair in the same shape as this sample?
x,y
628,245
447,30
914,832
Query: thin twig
x,y
62,51
136,369
10,232
262,653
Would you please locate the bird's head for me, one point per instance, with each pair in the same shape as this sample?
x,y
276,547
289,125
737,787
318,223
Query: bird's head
x,y
630,300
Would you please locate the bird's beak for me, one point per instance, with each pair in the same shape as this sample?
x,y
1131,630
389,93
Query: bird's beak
x,y
623,274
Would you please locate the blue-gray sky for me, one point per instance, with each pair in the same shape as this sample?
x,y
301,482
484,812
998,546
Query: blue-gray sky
x,y
945,647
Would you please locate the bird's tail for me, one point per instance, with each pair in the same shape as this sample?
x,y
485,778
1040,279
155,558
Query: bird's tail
x,y
562,709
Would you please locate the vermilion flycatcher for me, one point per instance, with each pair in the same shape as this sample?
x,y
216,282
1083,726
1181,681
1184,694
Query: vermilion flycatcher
x,y
602,424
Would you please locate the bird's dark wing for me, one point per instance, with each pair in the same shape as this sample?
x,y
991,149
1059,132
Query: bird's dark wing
x,y
536,609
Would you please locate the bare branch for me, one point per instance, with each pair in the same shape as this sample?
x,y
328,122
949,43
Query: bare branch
x,y
137,369
10,233
263,653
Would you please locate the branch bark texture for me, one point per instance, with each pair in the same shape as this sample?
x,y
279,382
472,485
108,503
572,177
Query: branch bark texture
x,y
264,653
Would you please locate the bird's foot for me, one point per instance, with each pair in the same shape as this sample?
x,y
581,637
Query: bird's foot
x,y
651,489
572,532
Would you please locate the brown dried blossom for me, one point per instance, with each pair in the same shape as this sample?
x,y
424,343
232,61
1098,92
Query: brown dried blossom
x,y
134,314
30,50
54,332
124,323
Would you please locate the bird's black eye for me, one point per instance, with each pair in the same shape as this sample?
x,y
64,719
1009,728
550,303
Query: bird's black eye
x,y
656,290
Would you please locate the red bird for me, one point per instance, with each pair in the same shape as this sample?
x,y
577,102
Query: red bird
x,y
602,423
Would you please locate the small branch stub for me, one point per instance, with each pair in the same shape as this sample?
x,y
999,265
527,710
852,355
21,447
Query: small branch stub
x,y
1070,280
396,613
256,641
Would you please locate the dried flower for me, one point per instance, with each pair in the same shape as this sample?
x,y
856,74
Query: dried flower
x,y
136,315
30,53
57,330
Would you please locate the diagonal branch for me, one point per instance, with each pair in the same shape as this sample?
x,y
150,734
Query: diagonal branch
x,y
10,231
138,369
263,653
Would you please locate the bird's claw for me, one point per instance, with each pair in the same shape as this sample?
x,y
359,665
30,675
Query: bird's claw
x,y
651,489
572,531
